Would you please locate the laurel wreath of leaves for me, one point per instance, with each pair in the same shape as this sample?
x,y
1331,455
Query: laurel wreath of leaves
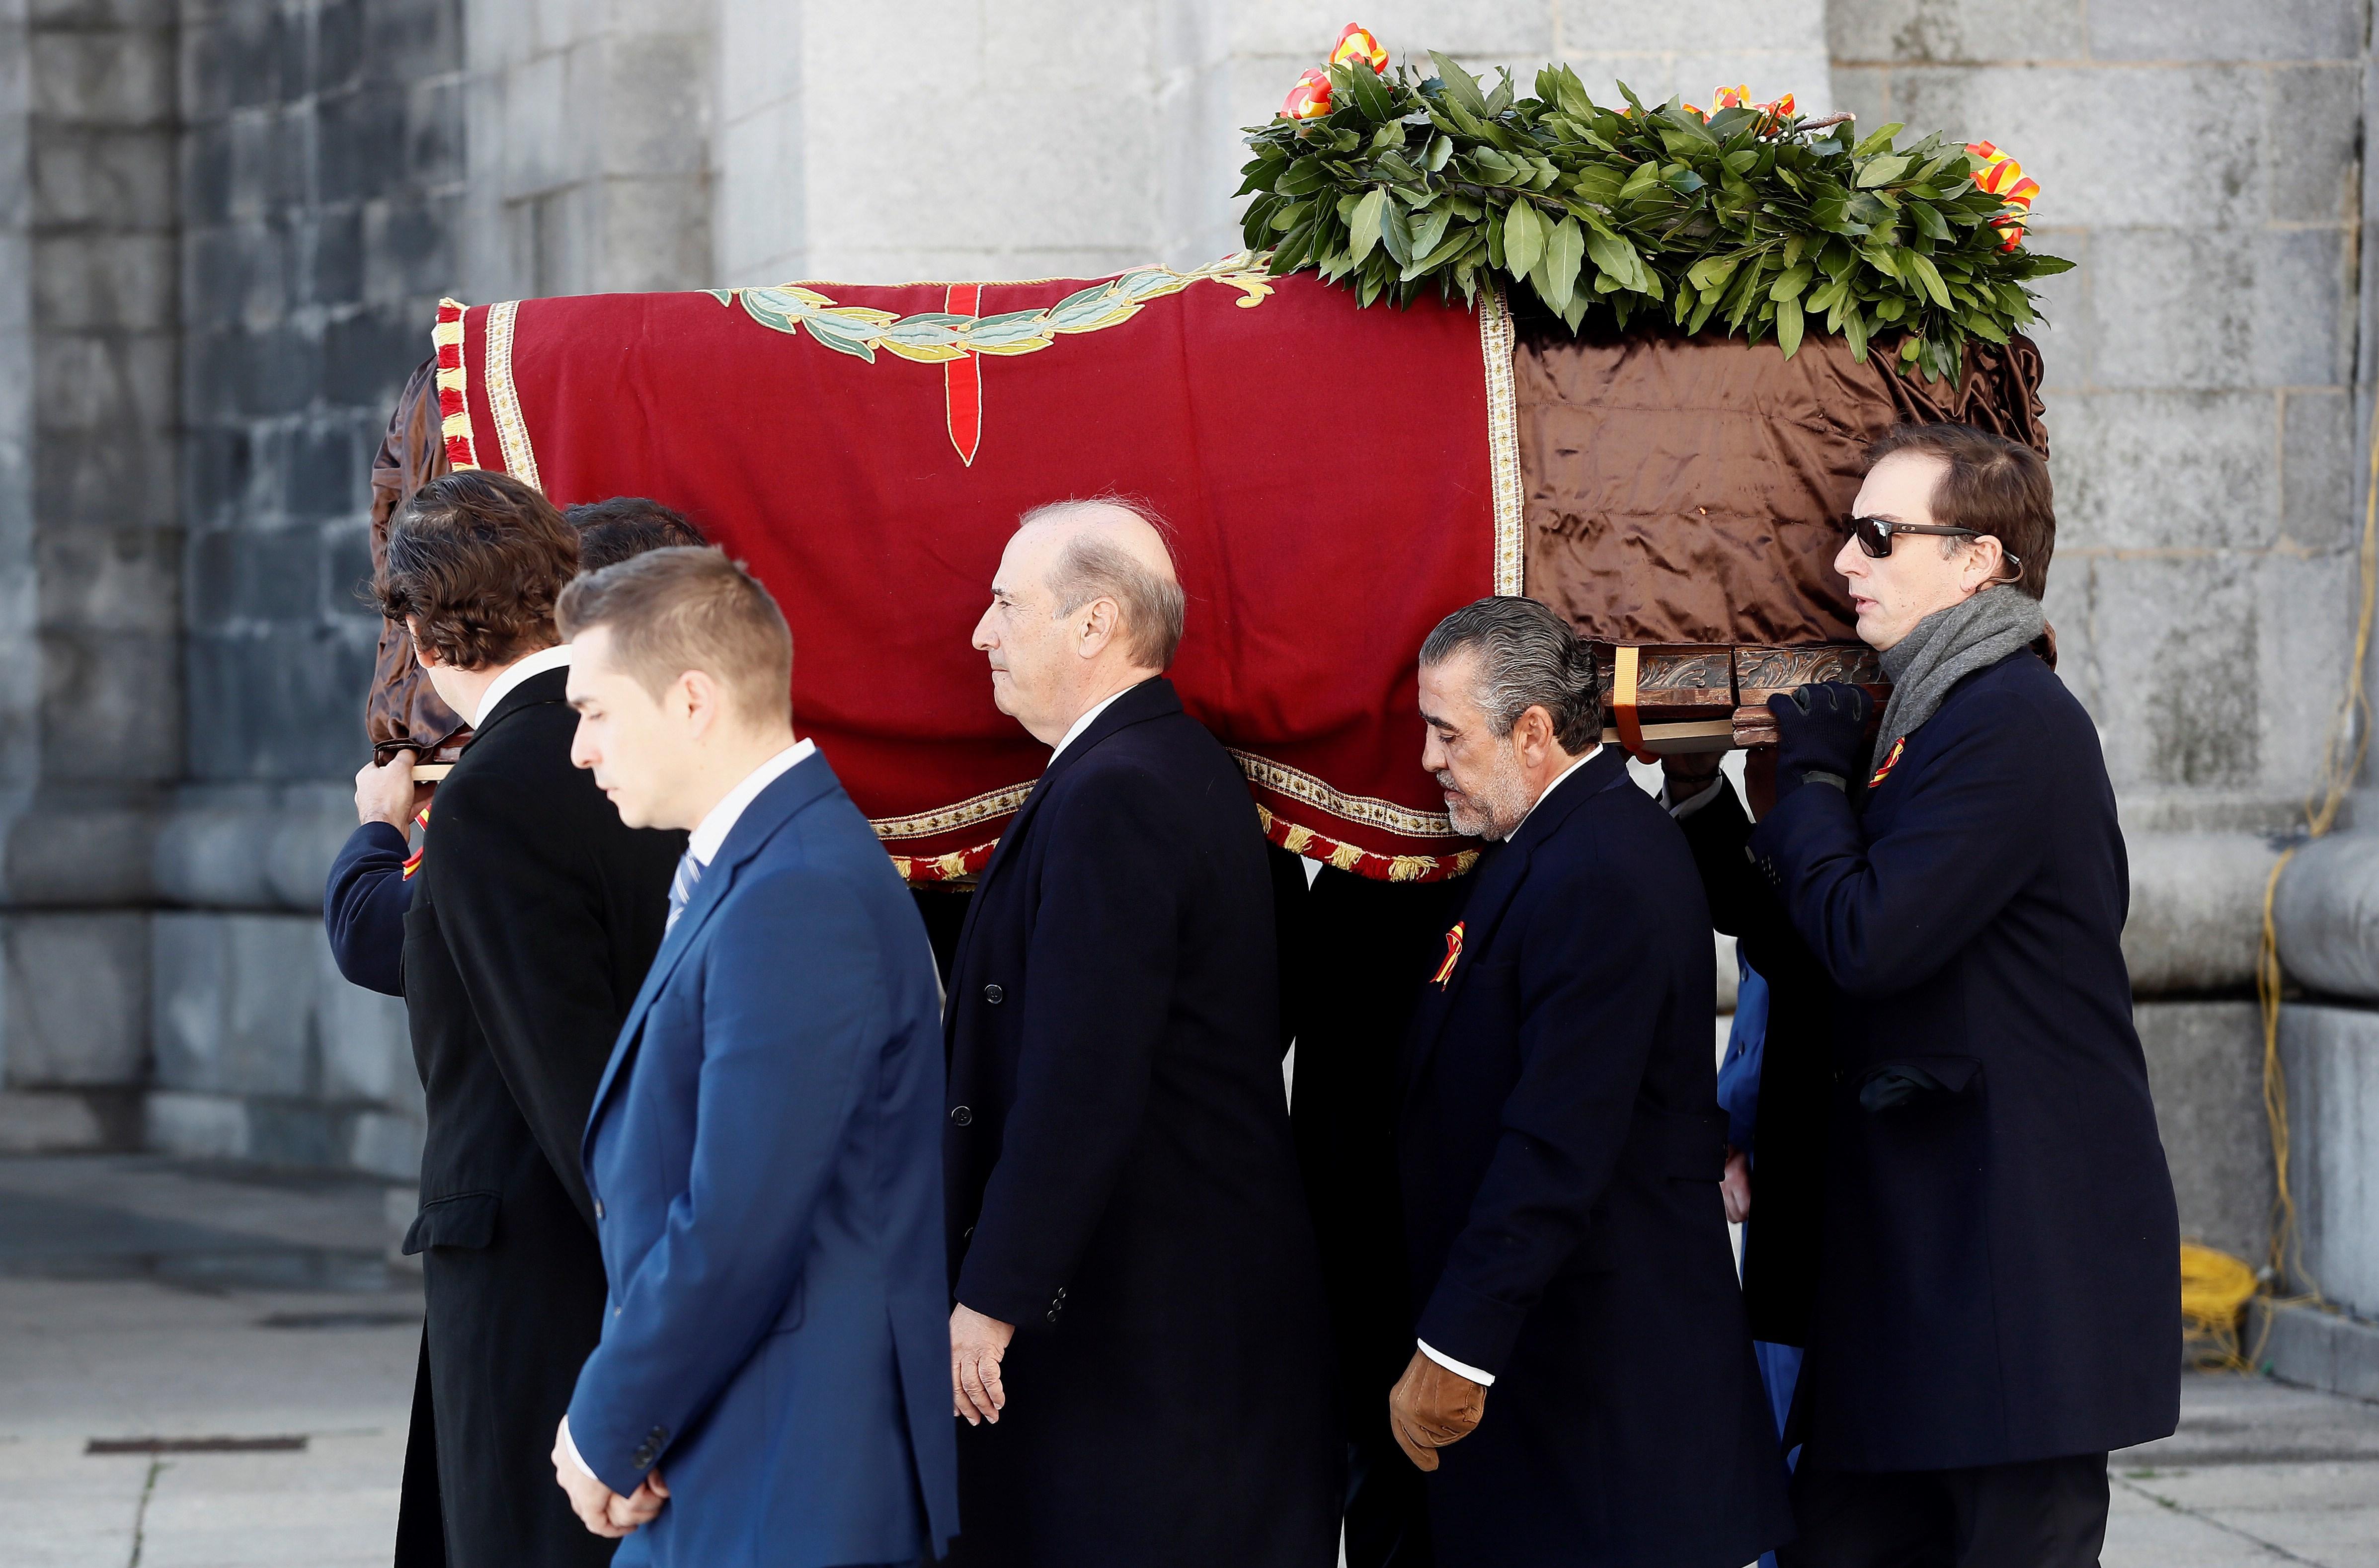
x,y
1738,222
934,336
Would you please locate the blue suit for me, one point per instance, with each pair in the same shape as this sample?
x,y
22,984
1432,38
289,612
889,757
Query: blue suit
x,y
764,1157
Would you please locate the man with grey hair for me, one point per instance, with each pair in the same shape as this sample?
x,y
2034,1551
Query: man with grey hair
x,y
1137,1345
1582,1387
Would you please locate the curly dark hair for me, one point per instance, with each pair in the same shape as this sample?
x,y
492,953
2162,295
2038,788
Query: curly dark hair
x,y
612,530
475,562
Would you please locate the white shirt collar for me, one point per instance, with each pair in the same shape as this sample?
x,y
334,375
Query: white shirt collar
x,y
538,663
1591,754
711,832
1084,722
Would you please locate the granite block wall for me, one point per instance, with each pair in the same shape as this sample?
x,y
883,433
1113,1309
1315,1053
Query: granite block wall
x,y
321,167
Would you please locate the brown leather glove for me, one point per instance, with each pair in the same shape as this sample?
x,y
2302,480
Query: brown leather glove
x,y
1431,1408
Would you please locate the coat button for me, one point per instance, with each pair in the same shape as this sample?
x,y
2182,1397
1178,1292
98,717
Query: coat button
x,y
994,995
598,1208
962,1116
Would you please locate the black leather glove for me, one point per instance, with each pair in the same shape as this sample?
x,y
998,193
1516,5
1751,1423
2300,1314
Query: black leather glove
x,y
1820,735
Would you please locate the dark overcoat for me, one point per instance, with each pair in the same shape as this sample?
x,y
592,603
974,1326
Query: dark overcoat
x,y
1780,1246
533,916
1560,1149
1119,1177
2001,1264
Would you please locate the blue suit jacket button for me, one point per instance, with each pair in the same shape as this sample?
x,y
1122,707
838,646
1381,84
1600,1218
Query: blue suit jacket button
x,y
963,1115
994,995
598,1208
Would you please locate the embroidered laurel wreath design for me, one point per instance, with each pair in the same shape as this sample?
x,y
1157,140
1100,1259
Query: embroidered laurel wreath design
x,y
935,336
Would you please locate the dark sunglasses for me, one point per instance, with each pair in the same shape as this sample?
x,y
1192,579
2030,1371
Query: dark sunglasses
x,y
1874,536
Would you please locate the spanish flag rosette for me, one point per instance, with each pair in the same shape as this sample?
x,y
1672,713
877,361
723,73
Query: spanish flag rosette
x,y
1357,44
1309,99
2002,177
1772,114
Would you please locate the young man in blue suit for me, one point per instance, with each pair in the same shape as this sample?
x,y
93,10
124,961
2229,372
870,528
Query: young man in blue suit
x,y
1582,1387
762,1151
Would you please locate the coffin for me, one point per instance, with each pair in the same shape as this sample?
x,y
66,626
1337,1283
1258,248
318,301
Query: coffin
x,y
1337,479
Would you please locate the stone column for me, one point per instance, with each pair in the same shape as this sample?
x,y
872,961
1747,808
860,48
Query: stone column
x,y
90,723
914,138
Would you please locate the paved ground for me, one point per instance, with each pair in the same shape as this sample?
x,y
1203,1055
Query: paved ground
x,y
147,1301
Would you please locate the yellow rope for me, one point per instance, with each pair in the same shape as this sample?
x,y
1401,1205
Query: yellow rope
x,y
2341,761
2213,1290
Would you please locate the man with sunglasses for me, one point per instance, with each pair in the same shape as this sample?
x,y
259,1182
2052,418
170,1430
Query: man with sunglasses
x,y
1996,1303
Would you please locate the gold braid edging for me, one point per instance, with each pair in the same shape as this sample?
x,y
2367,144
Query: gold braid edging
x,y
1502,441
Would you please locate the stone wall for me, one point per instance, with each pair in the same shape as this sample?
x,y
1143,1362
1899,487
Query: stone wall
x,y
322,178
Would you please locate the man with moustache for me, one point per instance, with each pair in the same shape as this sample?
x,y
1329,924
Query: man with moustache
x,y
1138,1345
1581,1387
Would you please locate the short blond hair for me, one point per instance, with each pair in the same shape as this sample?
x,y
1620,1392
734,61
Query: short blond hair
x,y
689,607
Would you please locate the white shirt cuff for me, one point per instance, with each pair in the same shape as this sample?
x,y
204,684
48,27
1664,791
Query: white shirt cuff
x,y
1693,802
1484,1380
570,1446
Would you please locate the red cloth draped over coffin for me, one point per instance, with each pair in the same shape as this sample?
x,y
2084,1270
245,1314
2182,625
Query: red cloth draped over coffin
x,y
1337,479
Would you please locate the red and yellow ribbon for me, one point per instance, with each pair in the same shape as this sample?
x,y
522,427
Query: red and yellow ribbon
x,y
1890,763
1357,44
413,860
1452,956
2002,177
1309,99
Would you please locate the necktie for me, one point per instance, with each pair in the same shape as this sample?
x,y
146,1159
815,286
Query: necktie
x,y
681,886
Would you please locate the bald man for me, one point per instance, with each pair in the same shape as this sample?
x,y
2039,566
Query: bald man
x,y
1138,1345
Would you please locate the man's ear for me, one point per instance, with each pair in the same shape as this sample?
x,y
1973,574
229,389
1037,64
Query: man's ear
x,y
1533,735
422,653
1099,629
1986,562
702,698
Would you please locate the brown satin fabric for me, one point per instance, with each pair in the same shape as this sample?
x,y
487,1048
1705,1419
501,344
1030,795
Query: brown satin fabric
x,y
1693,491
403,709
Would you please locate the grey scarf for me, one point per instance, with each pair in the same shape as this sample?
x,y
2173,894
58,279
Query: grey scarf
x,y
1947,646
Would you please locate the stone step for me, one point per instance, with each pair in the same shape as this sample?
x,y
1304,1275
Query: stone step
x,y
65,1121
2301,1344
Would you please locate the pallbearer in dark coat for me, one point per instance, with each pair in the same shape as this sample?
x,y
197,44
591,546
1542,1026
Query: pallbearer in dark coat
x,y
533,916
1583,1387
1138,1342
1999,1294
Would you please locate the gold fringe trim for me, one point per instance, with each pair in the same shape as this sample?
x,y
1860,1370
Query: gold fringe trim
x,y
453,386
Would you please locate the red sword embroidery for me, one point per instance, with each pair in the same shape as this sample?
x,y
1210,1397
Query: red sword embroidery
x,y
963,380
